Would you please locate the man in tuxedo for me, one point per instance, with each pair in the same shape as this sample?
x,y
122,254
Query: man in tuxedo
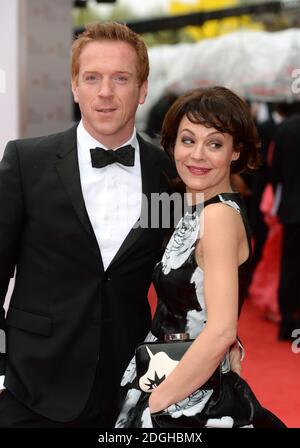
x,y
67,224
70,207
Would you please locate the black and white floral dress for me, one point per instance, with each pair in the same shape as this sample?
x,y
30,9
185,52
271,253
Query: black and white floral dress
x,y
181,308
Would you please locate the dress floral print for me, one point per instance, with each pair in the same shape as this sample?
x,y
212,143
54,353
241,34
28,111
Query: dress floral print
x,y
181,243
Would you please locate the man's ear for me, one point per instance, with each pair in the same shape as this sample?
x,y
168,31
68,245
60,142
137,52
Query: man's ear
x,y
143,92
74,90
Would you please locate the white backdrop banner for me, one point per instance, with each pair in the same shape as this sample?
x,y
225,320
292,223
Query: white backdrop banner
x,y
260,66
35,41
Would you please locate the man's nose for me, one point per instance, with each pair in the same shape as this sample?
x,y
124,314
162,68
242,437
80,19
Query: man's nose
x,y
106,88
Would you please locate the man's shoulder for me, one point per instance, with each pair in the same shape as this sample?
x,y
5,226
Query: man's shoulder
x,y
157,153
289,123
47,142
145,142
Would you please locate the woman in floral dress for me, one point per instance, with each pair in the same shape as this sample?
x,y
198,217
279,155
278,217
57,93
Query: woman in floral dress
x,y
210,134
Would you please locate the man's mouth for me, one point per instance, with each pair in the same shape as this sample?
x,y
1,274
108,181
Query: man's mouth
x,y
106,110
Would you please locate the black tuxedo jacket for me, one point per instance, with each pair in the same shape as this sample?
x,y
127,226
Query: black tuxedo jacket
x,y
66,313
285,169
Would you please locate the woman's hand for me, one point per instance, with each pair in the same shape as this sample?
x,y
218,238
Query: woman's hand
x,y
235,358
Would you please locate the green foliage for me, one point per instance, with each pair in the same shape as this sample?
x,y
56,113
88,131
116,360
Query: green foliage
x,y
167,37
92,13
83,16
120,12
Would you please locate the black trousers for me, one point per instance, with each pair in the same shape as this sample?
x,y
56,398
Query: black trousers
x,y
99,412
289,286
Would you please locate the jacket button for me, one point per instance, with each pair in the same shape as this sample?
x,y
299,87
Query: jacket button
x,y
106,277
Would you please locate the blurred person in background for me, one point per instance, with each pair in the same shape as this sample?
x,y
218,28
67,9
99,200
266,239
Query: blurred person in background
x,y
157,114
267,231
286,179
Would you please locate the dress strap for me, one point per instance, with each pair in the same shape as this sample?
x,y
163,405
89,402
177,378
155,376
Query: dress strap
x,y
230,199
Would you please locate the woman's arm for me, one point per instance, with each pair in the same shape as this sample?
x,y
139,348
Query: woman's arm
x,y
218,255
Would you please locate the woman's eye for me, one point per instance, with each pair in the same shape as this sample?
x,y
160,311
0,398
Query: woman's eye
x,y
187,140
215,145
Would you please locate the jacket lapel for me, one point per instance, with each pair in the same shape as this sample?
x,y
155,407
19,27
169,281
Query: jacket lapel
x,y
68,170
148,186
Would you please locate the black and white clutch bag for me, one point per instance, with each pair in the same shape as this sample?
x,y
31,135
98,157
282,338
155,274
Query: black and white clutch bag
x,y
156,360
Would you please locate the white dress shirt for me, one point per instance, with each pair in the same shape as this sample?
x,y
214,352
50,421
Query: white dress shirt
x,y
112,196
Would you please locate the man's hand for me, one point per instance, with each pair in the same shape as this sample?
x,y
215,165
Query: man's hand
x,y
235,358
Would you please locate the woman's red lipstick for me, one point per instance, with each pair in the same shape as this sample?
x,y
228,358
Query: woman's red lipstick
x,y
197,170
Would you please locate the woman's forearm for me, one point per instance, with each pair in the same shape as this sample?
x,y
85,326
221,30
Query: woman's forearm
x,y
194,369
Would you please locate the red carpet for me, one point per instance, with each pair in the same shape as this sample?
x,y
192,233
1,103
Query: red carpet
x,y
270,367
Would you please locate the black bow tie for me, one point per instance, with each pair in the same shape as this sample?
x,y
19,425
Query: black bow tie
x,y
102,157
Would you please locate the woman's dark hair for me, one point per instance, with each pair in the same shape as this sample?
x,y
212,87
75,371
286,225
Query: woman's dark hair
x,y
219,108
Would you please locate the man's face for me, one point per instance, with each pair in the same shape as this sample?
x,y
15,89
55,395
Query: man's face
x,y
108,91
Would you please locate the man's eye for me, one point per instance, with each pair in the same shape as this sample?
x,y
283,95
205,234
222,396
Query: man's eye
x,y
90,78
121,78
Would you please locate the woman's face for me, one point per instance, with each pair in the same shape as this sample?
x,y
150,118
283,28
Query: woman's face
x,y
203,157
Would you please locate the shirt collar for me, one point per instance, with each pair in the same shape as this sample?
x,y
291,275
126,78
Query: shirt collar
x,y
85,141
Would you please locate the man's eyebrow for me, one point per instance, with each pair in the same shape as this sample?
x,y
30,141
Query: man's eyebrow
x,y
114,72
